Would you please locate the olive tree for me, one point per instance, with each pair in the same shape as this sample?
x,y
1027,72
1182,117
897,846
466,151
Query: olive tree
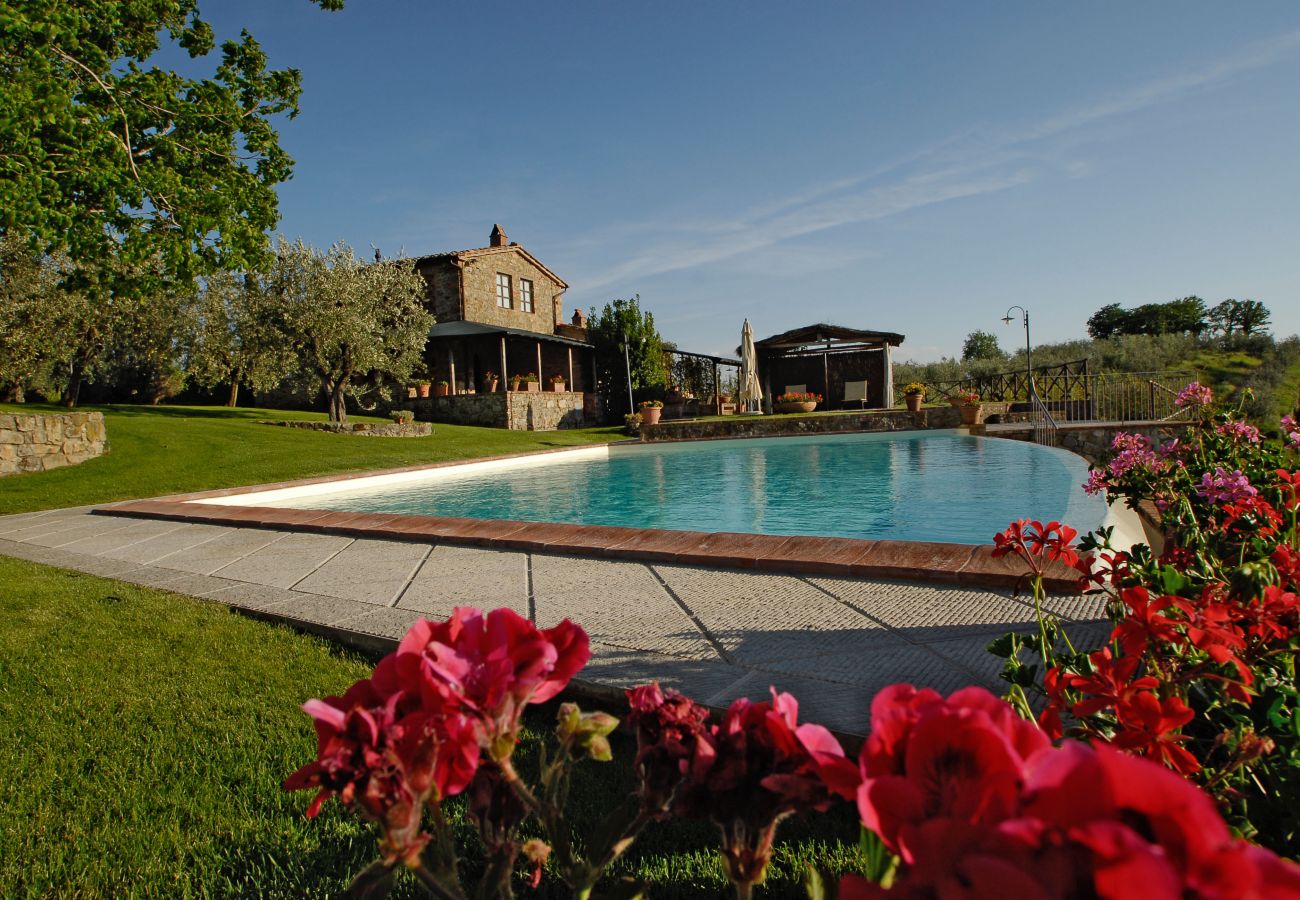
x,y
33,315
351,323
238,336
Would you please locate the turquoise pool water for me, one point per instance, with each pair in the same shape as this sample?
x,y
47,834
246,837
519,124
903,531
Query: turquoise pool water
x,y
922,486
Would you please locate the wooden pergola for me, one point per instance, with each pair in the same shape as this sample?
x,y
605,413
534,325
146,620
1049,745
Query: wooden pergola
x,y
842,352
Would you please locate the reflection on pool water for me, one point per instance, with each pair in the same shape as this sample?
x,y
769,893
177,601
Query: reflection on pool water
x,y
918,485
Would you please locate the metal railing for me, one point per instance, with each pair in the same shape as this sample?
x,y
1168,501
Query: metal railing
x,y
1045,427
1076,397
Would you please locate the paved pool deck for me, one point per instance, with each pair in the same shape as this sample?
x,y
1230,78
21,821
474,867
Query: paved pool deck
x,y
714,633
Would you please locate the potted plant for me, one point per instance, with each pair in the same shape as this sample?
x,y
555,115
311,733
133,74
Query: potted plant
x,y
441,389
795,402
651,410
532,383
516,382
970,407
557,383
632,424
423,388
402,416
490,382
914,395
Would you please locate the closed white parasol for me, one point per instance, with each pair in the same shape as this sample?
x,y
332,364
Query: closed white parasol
x,y
751,394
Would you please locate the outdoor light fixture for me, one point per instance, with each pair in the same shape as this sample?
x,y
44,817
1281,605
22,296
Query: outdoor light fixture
x,y
1029,367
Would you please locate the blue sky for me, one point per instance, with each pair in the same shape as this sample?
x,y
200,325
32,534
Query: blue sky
x,y
895,166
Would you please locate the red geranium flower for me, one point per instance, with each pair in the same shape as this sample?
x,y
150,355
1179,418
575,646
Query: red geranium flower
x,y
756,767
385,756
1145,621
1148,726
1111,683
492,667
668,727
962,759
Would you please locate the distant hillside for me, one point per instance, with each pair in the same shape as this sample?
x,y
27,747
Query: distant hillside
x,y
1269,368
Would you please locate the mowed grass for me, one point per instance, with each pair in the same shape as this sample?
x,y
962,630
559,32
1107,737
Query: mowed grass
x,y
155,450
146,736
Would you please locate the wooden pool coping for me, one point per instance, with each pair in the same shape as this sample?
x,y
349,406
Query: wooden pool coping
x,y
961,564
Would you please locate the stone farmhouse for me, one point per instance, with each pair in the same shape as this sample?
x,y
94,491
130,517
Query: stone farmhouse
x,y
500,313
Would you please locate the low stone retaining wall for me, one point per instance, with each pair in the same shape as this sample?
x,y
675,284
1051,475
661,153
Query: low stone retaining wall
x,y
811,423
366,429
1092,440
516,410
36,443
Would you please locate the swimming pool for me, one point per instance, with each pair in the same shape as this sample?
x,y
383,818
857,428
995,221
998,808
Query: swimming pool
x,y
912,486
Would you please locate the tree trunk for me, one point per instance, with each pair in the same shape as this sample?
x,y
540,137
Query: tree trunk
x,y
233,399
16,394
338,409
74,385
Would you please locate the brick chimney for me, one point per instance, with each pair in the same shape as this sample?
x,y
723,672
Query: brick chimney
x,y
498,238
579,319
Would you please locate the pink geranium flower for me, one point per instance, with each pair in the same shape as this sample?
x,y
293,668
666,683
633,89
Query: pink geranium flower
x,y
1225,487
492,666
385,756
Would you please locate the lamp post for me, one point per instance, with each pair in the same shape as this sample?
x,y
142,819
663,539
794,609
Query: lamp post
x,y
1029,366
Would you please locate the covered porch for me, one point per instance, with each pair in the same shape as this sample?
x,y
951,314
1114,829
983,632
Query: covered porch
x,y
475,360
830,360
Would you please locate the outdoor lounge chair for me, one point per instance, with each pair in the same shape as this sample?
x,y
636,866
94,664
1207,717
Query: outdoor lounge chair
x,y
855,392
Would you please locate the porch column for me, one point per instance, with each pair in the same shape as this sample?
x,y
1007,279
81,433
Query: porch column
x,y
826,375
451,366
504,375
572,386
717,391
539,359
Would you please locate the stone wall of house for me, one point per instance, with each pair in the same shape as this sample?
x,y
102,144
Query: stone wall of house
x,y
831,423
443,278
31,443
480,274
516,410
545,411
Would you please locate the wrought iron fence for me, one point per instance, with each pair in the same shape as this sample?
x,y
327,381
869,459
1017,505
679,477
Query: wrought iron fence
x,y
1072,396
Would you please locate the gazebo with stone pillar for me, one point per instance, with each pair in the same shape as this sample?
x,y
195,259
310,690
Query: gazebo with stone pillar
x,y
824,358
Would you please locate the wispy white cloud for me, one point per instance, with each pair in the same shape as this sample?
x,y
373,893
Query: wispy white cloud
x,y
990,161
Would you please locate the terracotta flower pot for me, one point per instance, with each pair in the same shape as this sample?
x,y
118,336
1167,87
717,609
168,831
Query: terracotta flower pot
x,y
490,386
441,390
914,402
804,406
970,415
558,387
650,415
533,387
516,384
423,388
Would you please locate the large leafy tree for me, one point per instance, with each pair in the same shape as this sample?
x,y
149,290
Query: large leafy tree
x,y
981,345
112,158
354,325
33,316
624,321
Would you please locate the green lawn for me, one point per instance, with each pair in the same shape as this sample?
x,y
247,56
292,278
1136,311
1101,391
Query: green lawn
x,y
156,450
146,735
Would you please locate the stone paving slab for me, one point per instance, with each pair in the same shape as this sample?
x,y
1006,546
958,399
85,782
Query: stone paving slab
x,y
468,576
106,542
157,548
220,551
369,571
618,604
715,634
287,561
